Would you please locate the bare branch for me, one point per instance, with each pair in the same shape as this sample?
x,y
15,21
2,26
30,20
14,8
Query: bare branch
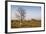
x,y
21,11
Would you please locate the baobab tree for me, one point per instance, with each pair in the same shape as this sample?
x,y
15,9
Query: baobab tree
x,y
21,14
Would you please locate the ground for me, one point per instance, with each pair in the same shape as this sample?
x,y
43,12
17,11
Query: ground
x,y
25,23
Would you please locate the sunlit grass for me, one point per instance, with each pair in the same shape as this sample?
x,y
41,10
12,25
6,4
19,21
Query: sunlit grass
x,y
25,23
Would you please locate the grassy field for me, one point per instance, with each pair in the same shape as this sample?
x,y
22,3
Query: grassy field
x,y
25,23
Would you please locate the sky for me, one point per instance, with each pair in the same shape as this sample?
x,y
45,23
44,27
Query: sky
x,y
32,12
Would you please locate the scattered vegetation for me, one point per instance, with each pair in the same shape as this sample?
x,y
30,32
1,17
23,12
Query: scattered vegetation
x,y
25,23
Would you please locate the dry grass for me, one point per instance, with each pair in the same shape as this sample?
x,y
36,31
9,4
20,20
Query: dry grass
x,y
25,24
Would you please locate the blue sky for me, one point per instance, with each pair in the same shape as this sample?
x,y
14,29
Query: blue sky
x,y
32,12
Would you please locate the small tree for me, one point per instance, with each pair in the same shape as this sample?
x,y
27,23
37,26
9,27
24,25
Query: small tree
x,y
21,14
